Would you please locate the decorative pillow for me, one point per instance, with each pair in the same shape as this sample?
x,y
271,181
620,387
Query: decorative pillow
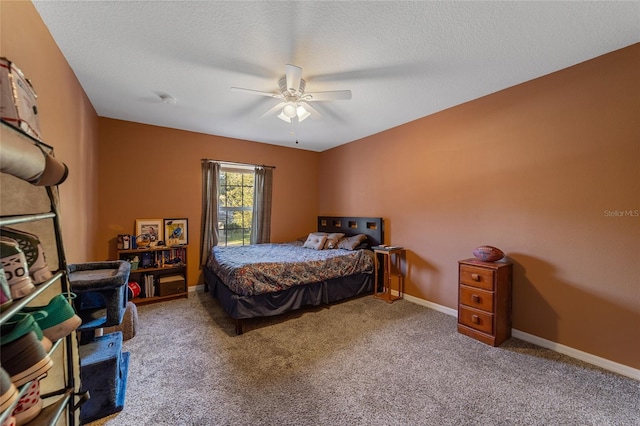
x,y
352,243
303,238
332,240
315,241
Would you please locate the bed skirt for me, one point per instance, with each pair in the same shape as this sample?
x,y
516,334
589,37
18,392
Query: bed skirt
x,y
324,292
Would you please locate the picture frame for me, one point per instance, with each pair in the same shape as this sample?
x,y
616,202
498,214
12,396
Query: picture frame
x,y
176,231
153,227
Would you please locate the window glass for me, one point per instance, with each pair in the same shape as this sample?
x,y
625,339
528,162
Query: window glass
x,y
235,205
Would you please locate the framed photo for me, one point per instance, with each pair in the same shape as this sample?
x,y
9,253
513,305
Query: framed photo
x,y
176,232
152,227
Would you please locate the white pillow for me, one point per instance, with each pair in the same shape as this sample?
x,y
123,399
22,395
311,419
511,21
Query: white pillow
x,y
315,241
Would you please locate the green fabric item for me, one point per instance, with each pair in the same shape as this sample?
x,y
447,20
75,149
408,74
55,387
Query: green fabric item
x,y
21,324
57,311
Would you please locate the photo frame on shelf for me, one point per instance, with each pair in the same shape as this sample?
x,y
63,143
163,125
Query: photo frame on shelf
x,y
176,232
152,227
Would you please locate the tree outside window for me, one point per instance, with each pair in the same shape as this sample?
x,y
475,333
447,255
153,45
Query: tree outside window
x,y
235,205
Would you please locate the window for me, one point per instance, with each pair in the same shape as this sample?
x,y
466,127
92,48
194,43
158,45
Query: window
x,y
235,205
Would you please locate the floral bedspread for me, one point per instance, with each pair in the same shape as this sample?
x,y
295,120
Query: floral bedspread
x,y
263,268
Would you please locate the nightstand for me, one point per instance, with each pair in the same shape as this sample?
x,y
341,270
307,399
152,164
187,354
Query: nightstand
x,y
484,300
391,266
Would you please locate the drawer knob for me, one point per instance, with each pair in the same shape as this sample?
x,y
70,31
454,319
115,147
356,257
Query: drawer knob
x,y
475,277
475,319
475,298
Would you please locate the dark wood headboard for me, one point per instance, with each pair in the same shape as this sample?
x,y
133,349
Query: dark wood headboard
x,y
372,227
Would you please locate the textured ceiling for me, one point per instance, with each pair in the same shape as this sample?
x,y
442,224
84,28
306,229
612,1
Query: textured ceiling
x,y
402,60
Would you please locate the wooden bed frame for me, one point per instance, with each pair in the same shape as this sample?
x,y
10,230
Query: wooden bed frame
x,y
243,307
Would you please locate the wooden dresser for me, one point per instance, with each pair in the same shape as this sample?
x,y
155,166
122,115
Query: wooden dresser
x,y
484,300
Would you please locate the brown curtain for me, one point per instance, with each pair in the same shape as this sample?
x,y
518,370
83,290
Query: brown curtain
x,y
261,218
210,177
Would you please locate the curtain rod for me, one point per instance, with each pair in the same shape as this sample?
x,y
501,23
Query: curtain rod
x,y
208,160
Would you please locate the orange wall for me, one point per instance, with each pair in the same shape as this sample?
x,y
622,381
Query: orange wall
x,y
68,121
155,172
532,170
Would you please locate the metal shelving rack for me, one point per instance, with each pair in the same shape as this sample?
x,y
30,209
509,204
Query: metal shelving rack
x,y
67,400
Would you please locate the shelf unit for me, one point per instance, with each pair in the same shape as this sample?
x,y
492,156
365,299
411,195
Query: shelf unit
x,y
35,209
155,261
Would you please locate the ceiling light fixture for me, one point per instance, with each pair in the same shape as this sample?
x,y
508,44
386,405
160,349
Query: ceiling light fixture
x,y
289,110
293,97
294,101
292,110
302,113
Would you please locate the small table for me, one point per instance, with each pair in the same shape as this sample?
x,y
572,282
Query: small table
x,y
391,265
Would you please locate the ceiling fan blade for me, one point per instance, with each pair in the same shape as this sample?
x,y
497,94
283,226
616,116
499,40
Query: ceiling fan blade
x,y
314,112
255,92
335,95
274,109
293,75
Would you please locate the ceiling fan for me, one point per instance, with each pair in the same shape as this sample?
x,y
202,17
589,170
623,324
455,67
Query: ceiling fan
x,y
294,100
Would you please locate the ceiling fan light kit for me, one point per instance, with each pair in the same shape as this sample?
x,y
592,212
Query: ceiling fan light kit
x,y
294,100
302,113
289,110
292,110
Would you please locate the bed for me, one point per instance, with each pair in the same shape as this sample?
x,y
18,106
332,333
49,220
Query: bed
x,y
271,279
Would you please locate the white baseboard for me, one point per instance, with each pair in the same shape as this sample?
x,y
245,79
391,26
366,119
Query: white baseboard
x,y
192,288
431,305
548,344
575,353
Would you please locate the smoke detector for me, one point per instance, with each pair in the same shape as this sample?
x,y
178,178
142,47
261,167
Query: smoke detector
x,y
167,99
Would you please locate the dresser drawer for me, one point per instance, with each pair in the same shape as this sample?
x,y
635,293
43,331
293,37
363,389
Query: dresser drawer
x,y
474,318
476,298
476,277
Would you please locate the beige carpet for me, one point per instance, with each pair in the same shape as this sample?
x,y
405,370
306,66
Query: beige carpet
x,y
361,362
